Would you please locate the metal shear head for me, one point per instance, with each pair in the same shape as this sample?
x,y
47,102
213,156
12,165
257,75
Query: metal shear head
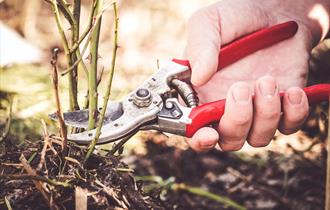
x,y
138,110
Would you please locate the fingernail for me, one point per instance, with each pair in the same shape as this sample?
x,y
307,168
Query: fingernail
x,y
241,92
206,144
295,96
267,87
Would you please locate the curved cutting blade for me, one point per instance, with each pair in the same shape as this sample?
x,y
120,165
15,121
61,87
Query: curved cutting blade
x,y
128,123
79,119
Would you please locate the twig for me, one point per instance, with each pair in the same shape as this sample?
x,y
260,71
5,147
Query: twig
x,y
8,204
8,123
32,173
129,170
35,178
70,159
111,193
31,158
238,174
119,146
107,94
46,145
59,113
17,165
92,76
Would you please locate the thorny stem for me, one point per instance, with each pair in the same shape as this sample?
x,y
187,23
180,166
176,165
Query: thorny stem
x,y
107,94
72,84
60,26
65,11
80,58
59,113
73,75
92,76
91,23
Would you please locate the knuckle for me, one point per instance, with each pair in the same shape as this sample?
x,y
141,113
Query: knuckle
x,y
235,134
268,114
241,120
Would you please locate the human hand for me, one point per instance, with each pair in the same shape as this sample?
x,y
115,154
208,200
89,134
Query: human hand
x,y
285,64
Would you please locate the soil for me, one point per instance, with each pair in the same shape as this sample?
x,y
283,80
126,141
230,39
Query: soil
x,y
105,178
280,184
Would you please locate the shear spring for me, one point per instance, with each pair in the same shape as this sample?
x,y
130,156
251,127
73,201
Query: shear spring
x,y
186,92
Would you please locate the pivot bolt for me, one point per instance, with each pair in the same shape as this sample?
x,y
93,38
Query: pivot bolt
x,y
142,97
142,93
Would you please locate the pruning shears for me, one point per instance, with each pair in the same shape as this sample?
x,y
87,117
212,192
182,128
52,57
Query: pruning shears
x,y
154,104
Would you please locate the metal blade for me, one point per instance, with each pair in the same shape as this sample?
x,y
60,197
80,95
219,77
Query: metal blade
x,y
126,125
79,119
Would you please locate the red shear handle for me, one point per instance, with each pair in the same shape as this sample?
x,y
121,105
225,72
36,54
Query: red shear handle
x,y
212,112
251,43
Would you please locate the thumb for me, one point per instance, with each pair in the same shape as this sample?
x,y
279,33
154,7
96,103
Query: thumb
x,y
218,24
203,44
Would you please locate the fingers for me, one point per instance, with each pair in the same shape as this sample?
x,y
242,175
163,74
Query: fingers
x,y
235,124
204,139
267,112
255,121
295,109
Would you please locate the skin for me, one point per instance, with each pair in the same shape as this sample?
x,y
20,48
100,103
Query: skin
x,y
282,67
